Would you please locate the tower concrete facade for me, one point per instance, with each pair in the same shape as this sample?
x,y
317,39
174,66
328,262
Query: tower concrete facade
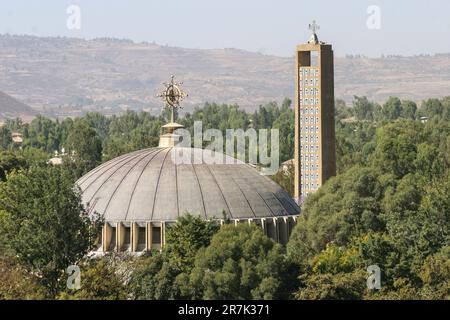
x,y
315,147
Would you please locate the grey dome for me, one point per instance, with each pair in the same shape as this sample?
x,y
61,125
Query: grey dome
x,y
154,185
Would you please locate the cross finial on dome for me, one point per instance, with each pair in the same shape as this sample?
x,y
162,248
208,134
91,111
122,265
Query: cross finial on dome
x,y
172,95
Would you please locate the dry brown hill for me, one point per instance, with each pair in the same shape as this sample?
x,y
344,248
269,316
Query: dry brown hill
x,y
62,76
12,108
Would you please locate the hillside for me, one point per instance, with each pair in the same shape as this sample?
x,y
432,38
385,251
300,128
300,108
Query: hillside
x,y
64,76
12,108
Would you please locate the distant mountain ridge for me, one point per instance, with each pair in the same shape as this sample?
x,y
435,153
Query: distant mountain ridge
x,y
67,76
12,108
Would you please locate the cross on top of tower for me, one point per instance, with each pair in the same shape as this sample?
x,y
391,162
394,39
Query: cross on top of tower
x,y
314,27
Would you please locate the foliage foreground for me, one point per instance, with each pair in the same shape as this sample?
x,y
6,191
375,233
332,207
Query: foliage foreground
x,y
388,206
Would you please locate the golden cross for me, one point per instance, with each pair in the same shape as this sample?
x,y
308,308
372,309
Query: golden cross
x,y
172,95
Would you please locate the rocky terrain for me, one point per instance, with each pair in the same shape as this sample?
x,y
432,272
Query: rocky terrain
x,y
12,108
66,76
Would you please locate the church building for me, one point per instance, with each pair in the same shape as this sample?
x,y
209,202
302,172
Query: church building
x,y
140,194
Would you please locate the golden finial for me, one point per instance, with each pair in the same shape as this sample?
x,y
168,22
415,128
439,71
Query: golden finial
x,y
172,95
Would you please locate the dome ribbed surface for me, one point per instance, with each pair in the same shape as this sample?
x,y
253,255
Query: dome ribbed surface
x,y
154,185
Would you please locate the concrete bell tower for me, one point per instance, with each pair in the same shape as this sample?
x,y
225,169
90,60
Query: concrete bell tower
x,y
315,147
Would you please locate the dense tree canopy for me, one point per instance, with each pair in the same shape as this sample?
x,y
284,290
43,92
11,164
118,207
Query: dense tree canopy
x,y
83,146
233,262
44,223
240,263
387,206
101,279
16,283
10,161
157,276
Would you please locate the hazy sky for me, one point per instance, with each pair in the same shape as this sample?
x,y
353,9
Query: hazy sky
x,y
407,27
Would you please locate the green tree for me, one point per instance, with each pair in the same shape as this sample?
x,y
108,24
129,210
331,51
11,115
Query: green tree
x,y
285,124
149,281
43,133
5,137
363,109
345,207
130,132
100,280
341,286
435,276
342,111
45,223
84,147
432,107
285,178
16,283
392,109
186,237
10,161
409,109
163,276
240,263
35,156
396,147
99,122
